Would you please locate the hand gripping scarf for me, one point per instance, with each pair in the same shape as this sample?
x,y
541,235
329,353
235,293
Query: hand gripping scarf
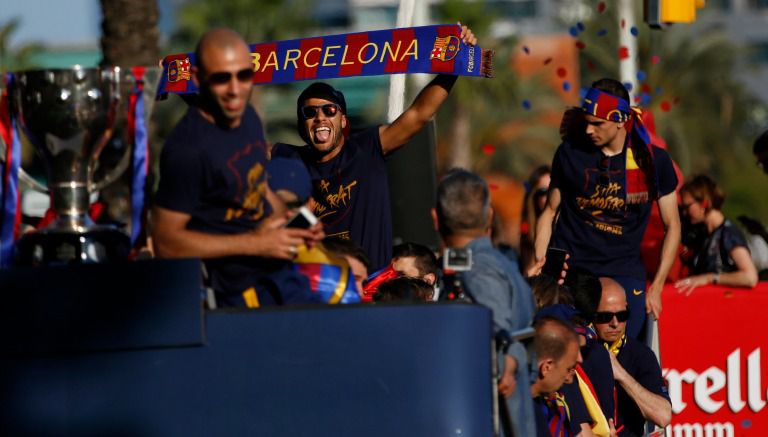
x,y
640,172
425,49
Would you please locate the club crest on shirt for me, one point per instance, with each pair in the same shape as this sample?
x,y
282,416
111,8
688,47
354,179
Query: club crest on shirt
x,y
445,48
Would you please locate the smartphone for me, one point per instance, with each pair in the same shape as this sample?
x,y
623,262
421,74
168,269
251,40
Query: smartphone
x,y
457,259
302,219
553,266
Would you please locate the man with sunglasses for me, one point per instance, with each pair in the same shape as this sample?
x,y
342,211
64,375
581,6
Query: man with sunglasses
x,y
641,393
605,177
349,172
213,201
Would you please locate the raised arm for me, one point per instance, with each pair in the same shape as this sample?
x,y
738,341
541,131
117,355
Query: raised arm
x,y
423,107
671,218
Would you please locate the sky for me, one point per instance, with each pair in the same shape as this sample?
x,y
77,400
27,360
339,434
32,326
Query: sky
x,y
60,22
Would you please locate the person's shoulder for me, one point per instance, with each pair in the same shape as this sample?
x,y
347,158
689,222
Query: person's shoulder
x,y
640,354
285,150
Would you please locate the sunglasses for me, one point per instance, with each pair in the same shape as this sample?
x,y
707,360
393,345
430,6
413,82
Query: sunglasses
x,y
222,77
607,316
605,170
329,109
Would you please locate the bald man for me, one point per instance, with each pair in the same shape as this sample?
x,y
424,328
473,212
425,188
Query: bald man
x,y
213,201
640,390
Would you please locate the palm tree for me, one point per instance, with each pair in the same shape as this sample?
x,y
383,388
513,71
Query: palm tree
x,y
19,58
130,35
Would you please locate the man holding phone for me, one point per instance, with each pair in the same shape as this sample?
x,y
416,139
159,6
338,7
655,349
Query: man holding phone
x,y
213,201
605,177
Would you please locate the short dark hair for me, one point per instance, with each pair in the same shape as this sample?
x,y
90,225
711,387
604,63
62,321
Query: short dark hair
x,y
546,291
463,202
551,338
611,86
404,289
423,257
347,247
586,291
761,144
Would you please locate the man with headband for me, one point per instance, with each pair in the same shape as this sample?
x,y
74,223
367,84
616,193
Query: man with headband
x,y
605,176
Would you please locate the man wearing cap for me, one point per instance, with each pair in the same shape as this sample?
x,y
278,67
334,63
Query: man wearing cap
x,y
349,171
604,180
212,202
641,393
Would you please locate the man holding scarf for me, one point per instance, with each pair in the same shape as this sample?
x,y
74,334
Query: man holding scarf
x,y
348,172
604,180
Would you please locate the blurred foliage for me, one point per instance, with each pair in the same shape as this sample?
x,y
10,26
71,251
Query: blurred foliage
x,y
20,57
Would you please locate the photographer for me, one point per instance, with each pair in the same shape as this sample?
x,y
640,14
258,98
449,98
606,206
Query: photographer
x,y
463,217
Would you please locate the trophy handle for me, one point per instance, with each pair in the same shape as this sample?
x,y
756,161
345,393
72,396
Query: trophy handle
x,y
114,173
29,180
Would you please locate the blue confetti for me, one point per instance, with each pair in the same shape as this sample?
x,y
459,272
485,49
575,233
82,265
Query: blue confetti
x,y
566,86
580,26
633,30
659,90
602,32
746,423
526,50
628,86
526,104
573,31
641,76
645,99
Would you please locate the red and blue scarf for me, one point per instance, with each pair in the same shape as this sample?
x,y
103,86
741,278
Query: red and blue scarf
x,y
425,49
640,172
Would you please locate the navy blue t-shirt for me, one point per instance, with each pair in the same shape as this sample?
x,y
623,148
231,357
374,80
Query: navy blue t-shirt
x,y
640,362
351,193
714,256
217,176
596,226
597,365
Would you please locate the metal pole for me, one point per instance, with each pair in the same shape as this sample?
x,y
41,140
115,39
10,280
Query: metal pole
x,y
397,81
628,65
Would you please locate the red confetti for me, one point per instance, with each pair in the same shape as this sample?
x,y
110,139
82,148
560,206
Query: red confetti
x,y
601,7
561,72
655,59
637,99
580,45
590,65
665,106
547,61
489,149
493,186
623,52
623,23
645,88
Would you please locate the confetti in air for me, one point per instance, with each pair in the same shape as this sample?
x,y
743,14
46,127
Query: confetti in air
x,y
566,86
655,59
580,26
526,105
580,45
601,7
574,31
561,72
526,50
547,61
602,32
628,86
633,30
665,106
493,187
641,76
489,149
623,52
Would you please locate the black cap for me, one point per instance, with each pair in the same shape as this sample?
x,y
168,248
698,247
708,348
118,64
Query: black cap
x,y
320,90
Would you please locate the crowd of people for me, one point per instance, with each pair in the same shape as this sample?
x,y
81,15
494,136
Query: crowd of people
x,y
227,197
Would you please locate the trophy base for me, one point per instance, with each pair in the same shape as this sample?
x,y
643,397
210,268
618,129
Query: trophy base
x,y
50,247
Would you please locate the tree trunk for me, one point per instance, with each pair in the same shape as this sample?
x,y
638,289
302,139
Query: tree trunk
x,y
129,32
461,147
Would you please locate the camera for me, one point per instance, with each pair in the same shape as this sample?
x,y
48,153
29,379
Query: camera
x,y
457,259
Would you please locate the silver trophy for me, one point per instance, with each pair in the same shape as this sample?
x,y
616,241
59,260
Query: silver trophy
x,y
70,116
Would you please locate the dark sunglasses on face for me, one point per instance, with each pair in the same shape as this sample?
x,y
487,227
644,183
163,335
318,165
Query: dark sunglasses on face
x,y
607,316
222,77
329,109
